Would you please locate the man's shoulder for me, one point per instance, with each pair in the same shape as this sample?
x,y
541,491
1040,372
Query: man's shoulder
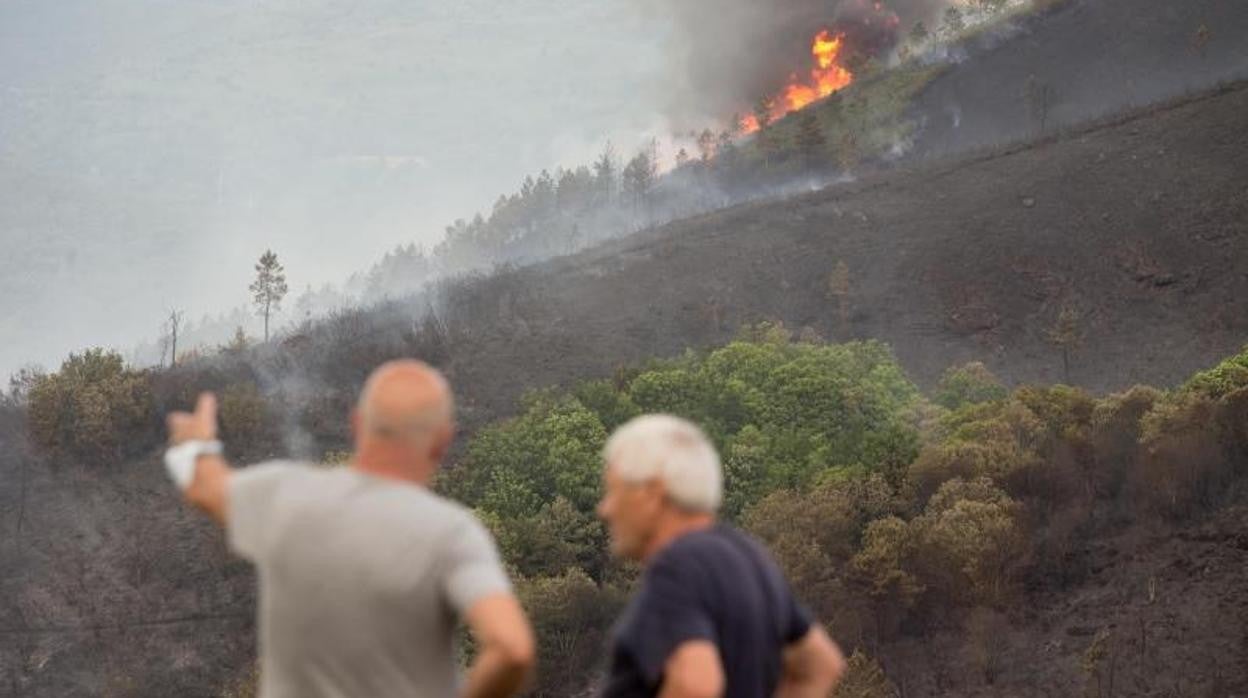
x,y
712,548
719,539
452,512
278,468
269,474
416,501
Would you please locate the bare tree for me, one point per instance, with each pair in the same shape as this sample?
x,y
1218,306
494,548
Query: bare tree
x,y
1200,40
173,324
269,287
1065,335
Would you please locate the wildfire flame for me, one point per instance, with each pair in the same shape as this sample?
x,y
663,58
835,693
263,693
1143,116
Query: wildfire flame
x,y
826,77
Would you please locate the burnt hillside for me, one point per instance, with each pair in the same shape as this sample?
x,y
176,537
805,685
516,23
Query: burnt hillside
x,y
1139,225
1080,60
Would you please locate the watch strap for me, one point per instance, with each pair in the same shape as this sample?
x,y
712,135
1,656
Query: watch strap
x,y
180,459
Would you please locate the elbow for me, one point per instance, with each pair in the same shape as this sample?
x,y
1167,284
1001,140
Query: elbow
x,y
836,664
519,654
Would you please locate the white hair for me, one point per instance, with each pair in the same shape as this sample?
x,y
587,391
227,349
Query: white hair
x,y
674,451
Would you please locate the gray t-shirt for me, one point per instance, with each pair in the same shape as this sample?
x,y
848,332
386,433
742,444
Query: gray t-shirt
x,y
362,580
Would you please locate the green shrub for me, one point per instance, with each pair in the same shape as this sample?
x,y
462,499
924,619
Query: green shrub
x,y
516,467
1184,459
1225,378
247,423
992,440
571,617
1116,437
885,562
971,547
968,384
556,538
94,410
832,515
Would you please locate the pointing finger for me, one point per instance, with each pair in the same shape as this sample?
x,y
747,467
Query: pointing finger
x,y
206,407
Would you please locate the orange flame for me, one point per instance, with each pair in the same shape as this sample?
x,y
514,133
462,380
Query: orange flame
x,y
826,77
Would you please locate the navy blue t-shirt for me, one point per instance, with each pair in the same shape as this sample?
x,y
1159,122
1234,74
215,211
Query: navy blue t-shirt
x,y
718,585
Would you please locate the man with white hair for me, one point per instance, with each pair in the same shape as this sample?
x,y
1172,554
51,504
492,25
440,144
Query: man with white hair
x,y
363,571
714,616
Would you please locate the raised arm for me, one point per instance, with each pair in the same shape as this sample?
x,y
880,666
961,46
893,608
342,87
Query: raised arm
x,y
812,666
203,478
505,648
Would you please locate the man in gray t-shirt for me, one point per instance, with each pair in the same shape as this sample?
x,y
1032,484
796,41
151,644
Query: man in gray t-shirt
x,y
364,573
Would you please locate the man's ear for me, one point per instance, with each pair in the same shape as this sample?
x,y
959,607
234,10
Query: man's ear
x,y
442,442
656,493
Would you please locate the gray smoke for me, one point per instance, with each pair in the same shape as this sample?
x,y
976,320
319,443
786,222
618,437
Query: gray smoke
x,y
726,54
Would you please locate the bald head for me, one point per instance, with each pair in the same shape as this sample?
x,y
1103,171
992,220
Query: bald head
x,y
405,400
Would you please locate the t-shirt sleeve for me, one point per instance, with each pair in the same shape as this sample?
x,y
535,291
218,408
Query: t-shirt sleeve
x,y
249,506
669,613
471,569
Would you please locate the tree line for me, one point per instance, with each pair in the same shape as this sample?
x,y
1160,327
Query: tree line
x,y
895,513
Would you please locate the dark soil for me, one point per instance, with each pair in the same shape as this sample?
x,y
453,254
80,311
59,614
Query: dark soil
x,y
1172,604
1081,60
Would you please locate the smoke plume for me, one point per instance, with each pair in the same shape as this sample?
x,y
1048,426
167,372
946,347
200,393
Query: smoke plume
x,y
726,54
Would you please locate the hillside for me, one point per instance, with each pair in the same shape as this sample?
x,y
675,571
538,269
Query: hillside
x,y
1135,229
111,588
1139,225
1080,60
1173,598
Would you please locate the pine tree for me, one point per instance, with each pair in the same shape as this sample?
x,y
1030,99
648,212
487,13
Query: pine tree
x,y
604,174
682,158
955,23
1065,334
810,141
706,145
919,33
639,175
762,115
269,287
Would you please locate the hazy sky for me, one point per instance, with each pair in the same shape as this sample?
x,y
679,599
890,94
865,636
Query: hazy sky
x,y
151,149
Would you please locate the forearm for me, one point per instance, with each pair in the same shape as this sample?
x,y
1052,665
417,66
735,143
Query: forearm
x,y
812,667
806,686
193,459
495,675
209,486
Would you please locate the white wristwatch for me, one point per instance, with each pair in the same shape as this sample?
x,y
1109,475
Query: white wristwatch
x,y
180,459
